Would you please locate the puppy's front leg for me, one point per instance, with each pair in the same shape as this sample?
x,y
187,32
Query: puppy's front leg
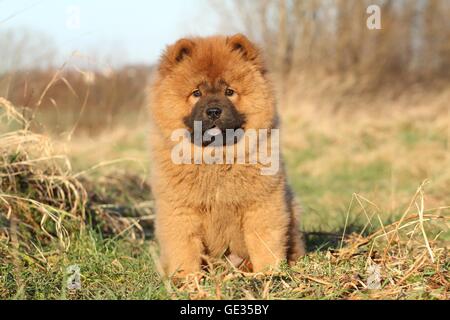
x,y
178,233
265,233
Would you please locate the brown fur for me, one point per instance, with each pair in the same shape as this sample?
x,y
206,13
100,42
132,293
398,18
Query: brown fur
x,y
210,210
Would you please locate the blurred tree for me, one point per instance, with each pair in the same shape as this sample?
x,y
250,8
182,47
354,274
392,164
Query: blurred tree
x,y
23,49
331,36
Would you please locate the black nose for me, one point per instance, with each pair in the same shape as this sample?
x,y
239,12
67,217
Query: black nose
x,y
214,113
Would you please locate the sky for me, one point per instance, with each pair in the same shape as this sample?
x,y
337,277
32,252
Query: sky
x,y
127,31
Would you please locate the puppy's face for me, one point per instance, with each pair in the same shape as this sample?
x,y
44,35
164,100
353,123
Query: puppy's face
x,y
218,81
213,105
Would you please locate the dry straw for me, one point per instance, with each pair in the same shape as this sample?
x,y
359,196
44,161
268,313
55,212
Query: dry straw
x,y
38,195
41,199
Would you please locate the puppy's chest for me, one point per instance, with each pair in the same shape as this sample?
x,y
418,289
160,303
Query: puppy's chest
x,y
224,186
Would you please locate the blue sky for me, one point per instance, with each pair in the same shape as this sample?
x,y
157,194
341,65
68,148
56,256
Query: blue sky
x,y
129,31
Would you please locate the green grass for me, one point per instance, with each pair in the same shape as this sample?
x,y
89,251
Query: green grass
x,y
111,269
120,269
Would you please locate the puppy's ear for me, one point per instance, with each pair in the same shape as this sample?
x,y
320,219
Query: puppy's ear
x,y
248,50
175,54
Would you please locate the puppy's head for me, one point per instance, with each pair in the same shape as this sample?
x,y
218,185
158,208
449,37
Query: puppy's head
x,y
218,81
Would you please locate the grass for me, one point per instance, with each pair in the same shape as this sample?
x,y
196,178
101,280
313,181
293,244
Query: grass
x,y
374,192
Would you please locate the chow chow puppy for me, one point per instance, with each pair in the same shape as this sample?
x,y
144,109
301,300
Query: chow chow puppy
x,y
227,209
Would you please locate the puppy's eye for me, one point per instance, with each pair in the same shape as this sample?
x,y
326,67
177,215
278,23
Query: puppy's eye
x,y
229,92
196,93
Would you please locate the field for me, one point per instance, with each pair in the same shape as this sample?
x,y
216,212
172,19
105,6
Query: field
x,y
373,178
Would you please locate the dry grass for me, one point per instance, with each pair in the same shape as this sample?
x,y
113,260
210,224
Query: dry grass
x,y
38,193
42,199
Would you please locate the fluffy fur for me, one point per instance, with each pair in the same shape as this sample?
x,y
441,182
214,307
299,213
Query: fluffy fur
x,y
213,210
